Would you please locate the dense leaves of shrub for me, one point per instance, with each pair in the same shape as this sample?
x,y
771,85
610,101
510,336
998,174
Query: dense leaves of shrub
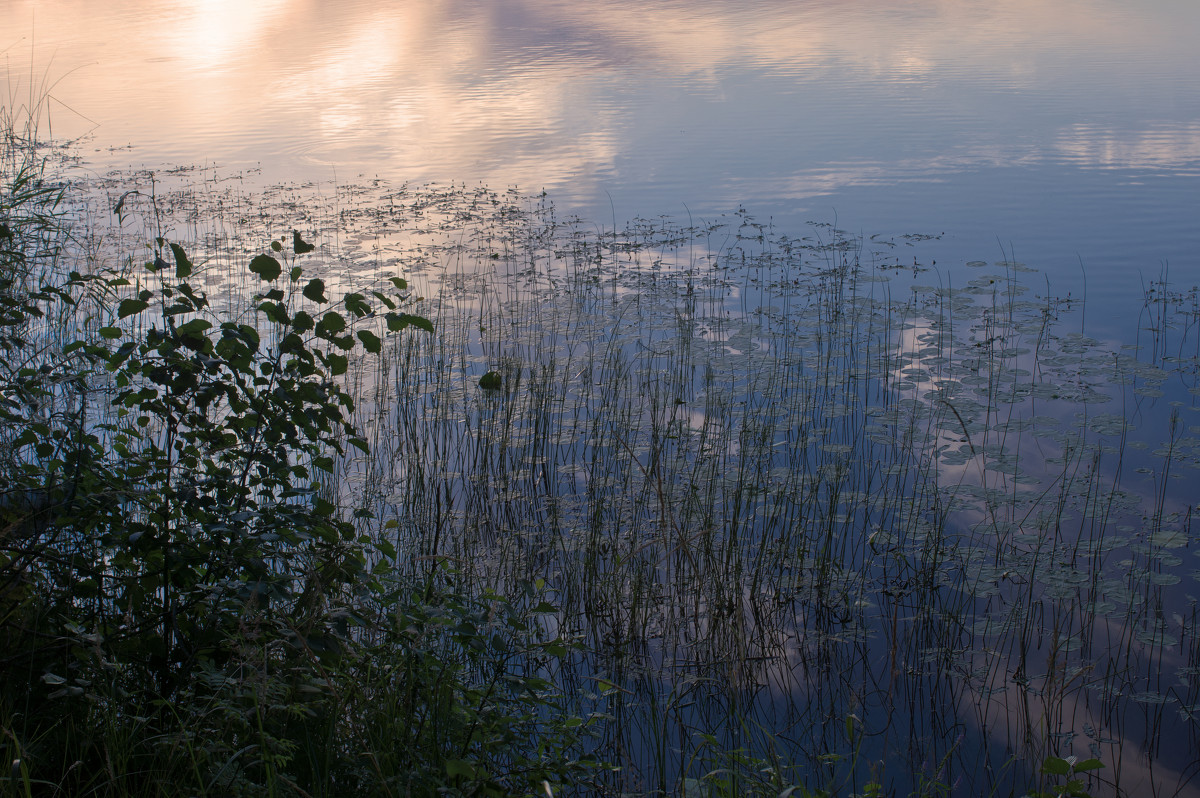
x,y
185,606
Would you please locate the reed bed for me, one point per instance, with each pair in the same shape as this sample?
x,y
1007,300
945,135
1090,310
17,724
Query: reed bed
x,y
809,518
803,509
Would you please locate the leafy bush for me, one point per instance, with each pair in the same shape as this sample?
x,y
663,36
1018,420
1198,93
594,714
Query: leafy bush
x,y
186,607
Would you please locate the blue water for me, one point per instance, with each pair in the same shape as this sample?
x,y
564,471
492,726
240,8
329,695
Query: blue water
x,y
1063,133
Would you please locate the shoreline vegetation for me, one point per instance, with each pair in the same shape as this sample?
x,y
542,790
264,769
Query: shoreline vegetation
x,y
424,490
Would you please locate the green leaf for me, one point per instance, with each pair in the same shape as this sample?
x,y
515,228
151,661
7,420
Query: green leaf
x,y
1054,766
292,344
420,322
298,244
398,321
276,246
275,311
370,341
129,307
1088,764
266,267
121,355
459,768
249,335
183,266
198,300
337,363
491,381
356,304
194,327
193,337
1075,787
315,290
330,324
302,322
111,333
399,282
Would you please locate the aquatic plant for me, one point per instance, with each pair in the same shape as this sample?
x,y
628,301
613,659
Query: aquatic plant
x,y
186,602
760,514
779,482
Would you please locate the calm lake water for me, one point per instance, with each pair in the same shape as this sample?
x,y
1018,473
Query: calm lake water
x,y
1063,135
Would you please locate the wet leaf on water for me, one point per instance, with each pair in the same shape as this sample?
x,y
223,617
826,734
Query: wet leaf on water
x,y
1157,637
1150,697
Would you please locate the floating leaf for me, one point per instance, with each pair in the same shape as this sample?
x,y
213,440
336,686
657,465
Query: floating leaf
x,y
491,381
1149,697
1169,538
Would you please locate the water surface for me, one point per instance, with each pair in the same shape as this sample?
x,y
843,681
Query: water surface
x,y
1066,133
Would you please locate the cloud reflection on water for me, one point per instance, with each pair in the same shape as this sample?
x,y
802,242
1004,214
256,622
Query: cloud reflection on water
x,y
574,97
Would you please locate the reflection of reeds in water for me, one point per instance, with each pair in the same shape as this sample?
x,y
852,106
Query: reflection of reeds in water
x,y
812,524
